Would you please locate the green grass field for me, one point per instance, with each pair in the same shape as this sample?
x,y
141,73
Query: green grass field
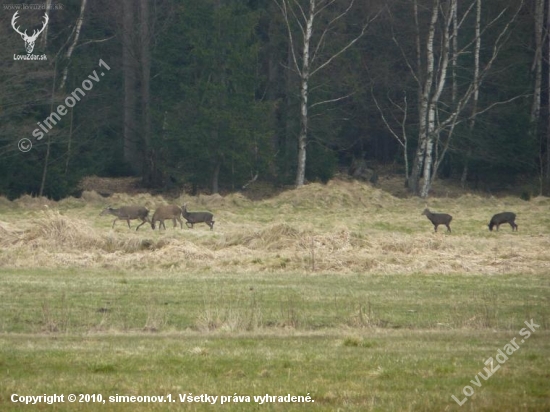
x,y
340,293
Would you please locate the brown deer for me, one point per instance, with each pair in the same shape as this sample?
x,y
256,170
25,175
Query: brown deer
x,y
127,213
166,212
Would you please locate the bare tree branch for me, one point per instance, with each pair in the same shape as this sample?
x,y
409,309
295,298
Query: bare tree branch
x,y
95,41
331,100
351,43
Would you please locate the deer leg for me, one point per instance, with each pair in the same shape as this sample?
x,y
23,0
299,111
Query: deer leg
x,y
114,221
143,221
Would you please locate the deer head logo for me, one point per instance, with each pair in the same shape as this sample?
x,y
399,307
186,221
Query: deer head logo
x,y
29,40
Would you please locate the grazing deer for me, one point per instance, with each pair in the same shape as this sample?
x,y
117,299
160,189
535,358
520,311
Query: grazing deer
x,y
504,217
197,217
166,212
127,213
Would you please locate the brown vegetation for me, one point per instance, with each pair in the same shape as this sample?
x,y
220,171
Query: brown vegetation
x,y
338,227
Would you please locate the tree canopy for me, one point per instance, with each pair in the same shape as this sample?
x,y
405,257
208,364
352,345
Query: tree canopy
x,y
213,93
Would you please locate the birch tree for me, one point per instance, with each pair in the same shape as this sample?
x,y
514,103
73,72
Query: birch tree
x,y
44,38
438,115
306,57
75,34
477,48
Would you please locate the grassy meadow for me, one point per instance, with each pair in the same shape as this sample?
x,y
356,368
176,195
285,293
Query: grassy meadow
x,y
341,292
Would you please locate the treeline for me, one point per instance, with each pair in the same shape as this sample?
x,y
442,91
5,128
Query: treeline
x,y
216,93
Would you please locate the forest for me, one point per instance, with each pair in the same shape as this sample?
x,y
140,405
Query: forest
x,y
215,94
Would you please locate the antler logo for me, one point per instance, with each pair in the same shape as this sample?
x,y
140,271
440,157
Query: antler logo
x,y
29,40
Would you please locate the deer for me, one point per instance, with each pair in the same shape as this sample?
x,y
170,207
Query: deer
x,y
438,219
504,217
166,212
127,213
29,40
197,217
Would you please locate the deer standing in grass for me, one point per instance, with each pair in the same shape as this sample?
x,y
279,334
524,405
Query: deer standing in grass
x,y
197,217
438,219
127,213
166,212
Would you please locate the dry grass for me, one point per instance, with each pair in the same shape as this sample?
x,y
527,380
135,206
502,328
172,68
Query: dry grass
x,y
111,185
342,291
339,227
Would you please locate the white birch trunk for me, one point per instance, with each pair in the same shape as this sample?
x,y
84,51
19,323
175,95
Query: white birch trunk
x,y
70,50
414,178
432,133
429,156
306,68
424,103
464,176
304,80
44,37
432,82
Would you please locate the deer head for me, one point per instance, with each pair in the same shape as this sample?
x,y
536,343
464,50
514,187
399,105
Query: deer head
x,y
29,40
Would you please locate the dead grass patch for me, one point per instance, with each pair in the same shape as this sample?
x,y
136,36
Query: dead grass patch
x,y
273,237
110,185
92,197
30,202
339,227
5,202
54,229
336,193
141,199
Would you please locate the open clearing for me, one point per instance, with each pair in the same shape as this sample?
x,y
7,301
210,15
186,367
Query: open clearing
x,y
342,292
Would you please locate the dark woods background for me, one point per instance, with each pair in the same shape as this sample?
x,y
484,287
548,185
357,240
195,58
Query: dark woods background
x,y
207,93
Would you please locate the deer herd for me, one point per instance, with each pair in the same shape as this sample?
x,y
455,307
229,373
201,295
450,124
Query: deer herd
x,y
162,213
175,213
445,219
